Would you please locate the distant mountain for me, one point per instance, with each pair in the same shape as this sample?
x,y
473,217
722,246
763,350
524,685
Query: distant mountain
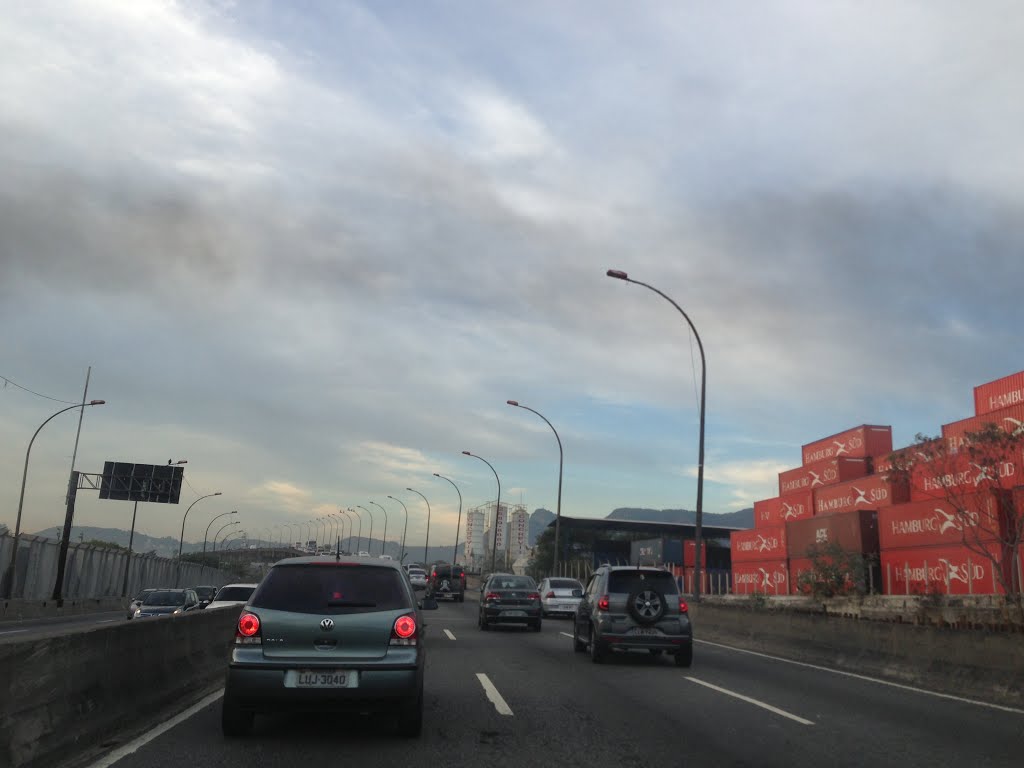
x,y
743,518
164,546
539,520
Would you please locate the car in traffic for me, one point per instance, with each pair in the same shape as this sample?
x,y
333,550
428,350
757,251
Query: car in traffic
x,y
167,602
509,599
133,606
559,596
232,595
447,582
328,634
418,578
628,608
206,594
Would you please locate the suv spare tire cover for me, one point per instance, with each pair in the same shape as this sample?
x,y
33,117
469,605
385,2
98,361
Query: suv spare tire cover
x,y
646,605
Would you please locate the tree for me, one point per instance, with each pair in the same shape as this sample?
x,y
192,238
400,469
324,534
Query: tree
x,y
834,572
974,472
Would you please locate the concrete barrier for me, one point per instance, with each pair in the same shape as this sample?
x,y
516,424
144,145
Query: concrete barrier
x,y
43,609
67,693
974,663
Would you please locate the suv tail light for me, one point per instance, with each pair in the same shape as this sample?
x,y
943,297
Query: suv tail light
x,y
248,630
405,631
602,604
549,595
683,607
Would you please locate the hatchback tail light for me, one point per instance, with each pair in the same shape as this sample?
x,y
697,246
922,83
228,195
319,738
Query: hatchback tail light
x,y
405,630
683,607
248,630
602,604
549,595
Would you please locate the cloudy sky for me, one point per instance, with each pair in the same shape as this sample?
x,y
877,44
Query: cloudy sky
x,y
314,247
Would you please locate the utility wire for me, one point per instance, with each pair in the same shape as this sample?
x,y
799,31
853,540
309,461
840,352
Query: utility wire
x,y
31,392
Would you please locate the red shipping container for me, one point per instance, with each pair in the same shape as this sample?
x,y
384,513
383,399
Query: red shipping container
x,y
853,531
828,472
690,552
1010,420
946,570
956,476
937,522
883,464
999,394
758,544
865,440
783,509
871,492
769,577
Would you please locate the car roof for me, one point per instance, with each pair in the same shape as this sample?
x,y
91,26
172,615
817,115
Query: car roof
x,y
348,559
253,584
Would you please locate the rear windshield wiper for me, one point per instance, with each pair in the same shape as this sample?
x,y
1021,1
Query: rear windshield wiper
x,y
349,604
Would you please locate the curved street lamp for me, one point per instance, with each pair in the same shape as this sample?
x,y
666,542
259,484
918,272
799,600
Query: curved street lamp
x,y
11,568
369,539
385,536
497,506
181,541
426,542
618,274
458,525
220,531
401,555
558,511
359,537
206,535
351,526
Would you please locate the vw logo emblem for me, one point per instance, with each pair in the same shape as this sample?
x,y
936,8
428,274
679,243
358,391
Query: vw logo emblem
x,y
327,625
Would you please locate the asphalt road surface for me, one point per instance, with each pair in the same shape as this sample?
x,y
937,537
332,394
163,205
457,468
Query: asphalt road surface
x,y
30,629
511,697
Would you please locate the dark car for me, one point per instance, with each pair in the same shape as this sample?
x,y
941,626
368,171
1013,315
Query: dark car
x,y
205,594
335,634
509,599
167,602
447,582
133,606
628,608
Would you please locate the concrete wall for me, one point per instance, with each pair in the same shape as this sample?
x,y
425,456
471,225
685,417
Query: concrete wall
x,y
973,663
66,694
94,572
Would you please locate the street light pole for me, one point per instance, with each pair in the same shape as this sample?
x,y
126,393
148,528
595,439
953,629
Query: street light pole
x,y
385,536
497,506
11,569
401,555
181,541
345,516
369,539
558,512
359,537
220,531
426,542
618,274
458,525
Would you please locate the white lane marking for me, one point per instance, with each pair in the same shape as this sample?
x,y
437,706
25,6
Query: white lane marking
x,y
144,739
749,700
565,634
12,631
106,621
492,694
865,678
449,633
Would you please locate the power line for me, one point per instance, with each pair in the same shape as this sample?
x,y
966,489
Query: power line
x,y
31,392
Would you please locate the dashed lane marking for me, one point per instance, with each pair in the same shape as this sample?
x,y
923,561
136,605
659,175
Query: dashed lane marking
x,y
449,633
492,695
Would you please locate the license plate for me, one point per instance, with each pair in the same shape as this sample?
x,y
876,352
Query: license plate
x,y
321,678
513,614
644,631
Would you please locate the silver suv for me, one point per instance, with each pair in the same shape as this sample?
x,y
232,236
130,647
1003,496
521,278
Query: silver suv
x,y
629,608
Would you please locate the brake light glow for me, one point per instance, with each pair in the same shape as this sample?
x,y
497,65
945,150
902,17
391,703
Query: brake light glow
x,y
533,596
549,595
404,631
491,596
602,604
248,632
683,607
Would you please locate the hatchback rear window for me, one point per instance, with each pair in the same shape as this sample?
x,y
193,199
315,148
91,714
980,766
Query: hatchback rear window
x,y
565,584
333,589
630,581
234,593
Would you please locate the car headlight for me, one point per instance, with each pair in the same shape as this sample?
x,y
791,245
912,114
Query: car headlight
x,y
177,610
138,612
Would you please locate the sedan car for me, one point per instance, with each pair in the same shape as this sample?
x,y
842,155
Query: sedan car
x,y
167,602
133,606
328,634
205,594
232,595
418,578
506,599
560,596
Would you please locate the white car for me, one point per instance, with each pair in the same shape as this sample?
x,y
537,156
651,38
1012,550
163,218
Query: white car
x,y
558,595
232,594
418,578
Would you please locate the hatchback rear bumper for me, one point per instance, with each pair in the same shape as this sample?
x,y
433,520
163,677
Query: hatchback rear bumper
x,y
663,642
256,689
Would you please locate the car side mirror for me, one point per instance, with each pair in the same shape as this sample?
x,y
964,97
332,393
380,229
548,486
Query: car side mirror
x,y
428,604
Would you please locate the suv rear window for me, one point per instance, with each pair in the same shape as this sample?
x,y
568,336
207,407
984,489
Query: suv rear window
x,y
565,584
632,580
234,593
330,588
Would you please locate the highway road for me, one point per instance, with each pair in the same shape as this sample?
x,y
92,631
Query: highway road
x,y
29,629
514,697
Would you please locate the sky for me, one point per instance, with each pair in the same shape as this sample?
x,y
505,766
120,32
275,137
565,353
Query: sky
x,y
313,247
